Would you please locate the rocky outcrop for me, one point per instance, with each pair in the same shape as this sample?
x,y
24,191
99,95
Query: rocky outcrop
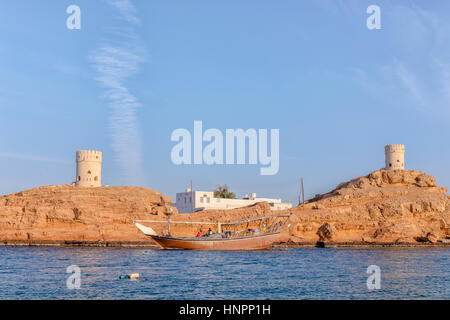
x,y
68,213
384,207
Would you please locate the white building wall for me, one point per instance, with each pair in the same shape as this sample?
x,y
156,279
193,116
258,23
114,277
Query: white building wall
x,y
205,200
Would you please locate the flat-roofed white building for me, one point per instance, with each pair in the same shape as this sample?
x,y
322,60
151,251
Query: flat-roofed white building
x,y
205,200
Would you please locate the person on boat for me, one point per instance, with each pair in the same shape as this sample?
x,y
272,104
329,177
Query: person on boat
x,y
209,232
198,235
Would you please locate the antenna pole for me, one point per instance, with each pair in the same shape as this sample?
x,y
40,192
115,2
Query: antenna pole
x,y
300,195
303,193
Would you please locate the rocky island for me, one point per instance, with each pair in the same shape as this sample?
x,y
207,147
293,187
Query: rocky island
x,y
386,207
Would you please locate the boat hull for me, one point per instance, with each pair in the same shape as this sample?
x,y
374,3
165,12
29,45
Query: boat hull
x,y
259,242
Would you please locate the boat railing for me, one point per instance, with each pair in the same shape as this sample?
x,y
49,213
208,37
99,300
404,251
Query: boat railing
x,y
218,222
274,226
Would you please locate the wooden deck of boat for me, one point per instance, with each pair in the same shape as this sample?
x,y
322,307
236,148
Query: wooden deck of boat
x,y
256,242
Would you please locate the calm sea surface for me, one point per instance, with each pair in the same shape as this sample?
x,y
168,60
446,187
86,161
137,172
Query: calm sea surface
x,y
40,273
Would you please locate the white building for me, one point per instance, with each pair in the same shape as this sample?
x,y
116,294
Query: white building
x,y
205,200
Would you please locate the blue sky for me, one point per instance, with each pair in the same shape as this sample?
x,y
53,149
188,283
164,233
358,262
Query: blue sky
x,y
337,91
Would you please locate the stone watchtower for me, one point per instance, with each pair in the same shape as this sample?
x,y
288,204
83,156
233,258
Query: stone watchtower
x,y
89,168
395,156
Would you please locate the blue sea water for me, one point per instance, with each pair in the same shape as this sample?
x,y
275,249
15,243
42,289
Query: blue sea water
x,y
305,273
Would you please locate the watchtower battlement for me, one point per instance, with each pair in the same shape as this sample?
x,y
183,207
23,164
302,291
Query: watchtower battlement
x,y
89,155
394,148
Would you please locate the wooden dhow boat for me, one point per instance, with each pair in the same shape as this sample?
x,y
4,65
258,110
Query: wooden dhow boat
x,y
228,235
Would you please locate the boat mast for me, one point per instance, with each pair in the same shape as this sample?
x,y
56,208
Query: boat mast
x,y
168,226
168,222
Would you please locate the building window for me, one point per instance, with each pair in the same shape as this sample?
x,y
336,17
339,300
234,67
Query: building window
x,y
207,200
390,164
201,199
96,179
79,178
89,172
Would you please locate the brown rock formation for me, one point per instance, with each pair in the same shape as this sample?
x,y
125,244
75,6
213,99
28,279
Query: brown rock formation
x,y
401,206
326,232
68,213
384,207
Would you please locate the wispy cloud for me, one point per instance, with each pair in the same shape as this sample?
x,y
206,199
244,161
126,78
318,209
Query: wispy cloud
x,y
126,9
408,82
29,157
114,64
418,71
340,6
444,78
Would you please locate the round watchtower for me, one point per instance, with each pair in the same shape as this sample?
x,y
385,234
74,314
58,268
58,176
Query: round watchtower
x,y
89,168
395,156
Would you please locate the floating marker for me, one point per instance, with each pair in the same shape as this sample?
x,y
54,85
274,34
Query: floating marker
x,y
132,276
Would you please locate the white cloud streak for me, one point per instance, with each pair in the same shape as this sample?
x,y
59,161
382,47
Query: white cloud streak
x,y
418,72
127,10
114,64
408,81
